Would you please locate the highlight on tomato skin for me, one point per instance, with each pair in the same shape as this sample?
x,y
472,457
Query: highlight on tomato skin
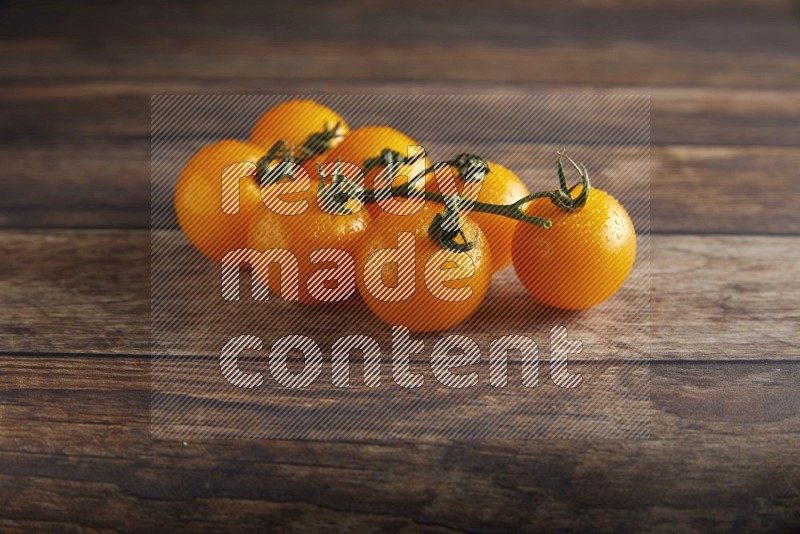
x,y
583,259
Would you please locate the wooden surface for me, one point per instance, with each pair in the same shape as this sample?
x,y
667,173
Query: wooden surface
x,y
75,446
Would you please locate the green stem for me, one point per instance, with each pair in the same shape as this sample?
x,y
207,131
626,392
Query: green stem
x,y
561,197
512,211
316,144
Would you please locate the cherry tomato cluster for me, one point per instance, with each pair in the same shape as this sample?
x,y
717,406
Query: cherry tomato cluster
x,y
572,247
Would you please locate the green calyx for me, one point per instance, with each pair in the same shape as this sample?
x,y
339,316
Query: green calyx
x,y
276,165
562,197
315,145
446,229
470,167
336,194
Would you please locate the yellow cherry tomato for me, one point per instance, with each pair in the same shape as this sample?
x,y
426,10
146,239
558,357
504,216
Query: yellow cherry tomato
x,y
199,203
580,261
325,245
447,286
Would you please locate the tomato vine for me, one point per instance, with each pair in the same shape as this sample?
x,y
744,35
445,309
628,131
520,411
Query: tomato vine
x,y
445,228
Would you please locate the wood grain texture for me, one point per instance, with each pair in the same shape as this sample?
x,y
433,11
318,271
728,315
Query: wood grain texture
x,y
713,297
74,135
75,448
749,45
76,452
109,113
694,189
192,400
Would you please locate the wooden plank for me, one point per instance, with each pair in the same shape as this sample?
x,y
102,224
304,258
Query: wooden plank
x,y
72,285
697,190
192,401
745,190
72,159
76,113
631,64
713,298
76,452
745,45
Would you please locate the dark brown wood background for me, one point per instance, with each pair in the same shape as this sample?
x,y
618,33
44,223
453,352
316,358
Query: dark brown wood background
x,y
75,447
